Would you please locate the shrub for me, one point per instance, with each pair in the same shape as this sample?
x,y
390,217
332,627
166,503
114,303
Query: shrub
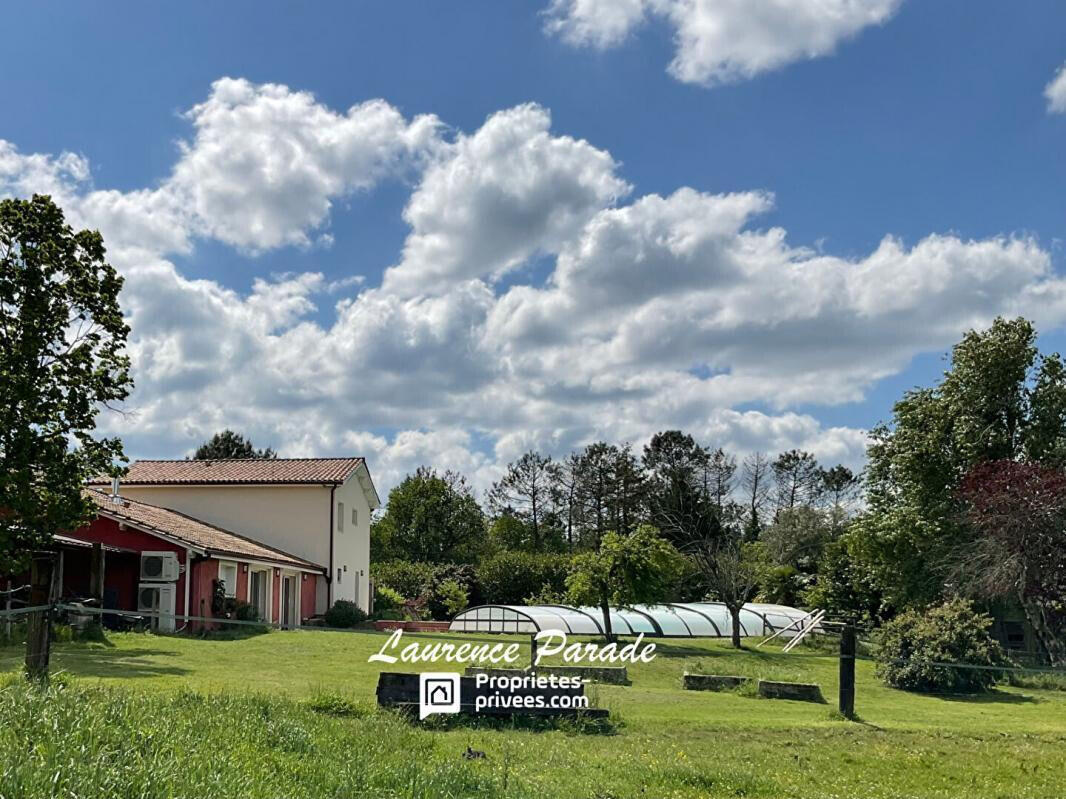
x,y
245,611
386,599
218,597
452,597
344,614
507,578
409,578
913,644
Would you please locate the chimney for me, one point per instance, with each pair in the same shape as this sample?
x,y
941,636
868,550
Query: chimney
x,y
115,498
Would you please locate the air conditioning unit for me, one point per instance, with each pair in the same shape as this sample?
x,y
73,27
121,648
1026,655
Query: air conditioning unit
x,y
158,599
161,566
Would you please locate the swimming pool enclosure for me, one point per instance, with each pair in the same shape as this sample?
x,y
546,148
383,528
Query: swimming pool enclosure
x,y
667,620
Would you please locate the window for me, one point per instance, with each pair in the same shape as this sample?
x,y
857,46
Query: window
x,y
355,517
227,574
340,516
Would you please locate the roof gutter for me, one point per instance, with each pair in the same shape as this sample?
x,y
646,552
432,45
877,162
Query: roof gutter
x,y
329,577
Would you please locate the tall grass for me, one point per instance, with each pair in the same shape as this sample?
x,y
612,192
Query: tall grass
x,y
82,741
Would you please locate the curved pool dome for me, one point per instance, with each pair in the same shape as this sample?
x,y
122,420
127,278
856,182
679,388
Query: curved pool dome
x,y
668,620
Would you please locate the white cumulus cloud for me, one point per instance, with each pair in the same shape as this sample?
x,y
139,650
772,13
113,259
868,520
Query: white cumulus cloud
x,y
657,311
491,200
1055,92
723,41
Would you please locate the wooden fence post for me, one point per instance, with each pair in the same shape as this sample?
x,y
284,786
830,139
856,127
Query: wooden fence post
x,y
532,651
39,623
7,607
847,671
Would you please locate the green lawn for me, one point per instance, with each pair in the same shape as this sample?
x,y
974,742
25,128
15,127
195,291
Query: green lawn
x,y
671,743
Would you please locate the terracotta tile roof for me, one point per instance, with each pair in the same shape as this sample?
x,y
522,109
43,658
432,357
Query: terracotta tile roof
x,y
273,471
193,532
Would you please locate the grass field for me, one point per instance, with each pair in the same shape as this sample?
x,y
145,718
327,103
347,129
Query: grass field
x,y
256,716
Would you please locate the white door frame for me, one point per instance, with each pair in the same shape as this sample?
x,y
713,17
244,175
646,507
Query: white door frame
x,y
269,572
295,599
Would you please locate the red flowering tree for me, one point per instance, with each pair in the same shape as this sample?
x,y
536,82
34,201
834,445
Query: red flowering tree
x,y
1016,513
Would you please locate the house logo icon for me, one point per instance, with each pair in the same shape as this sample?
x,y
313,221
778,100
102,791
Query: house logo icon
x,y
438,692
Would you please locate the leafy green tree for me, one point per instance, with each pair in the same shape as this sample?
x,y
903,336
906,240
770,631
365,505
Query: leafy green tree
x,y
228,444
625,570
798,537
62,359
845,585
509,533
999,401
433,518
509,577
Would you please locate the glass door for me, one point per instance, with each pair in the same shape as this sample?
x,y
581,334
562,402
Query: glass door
x,y
258,593
288,602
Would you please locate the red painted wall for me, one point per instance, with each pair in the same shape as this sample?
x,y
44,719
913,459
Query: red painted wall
x,y
204,572
121,571
242,582
308,586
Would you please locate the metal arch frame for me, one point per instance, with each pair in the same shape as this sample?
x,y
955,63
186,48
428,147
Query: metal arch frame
x,y
546,608
522,615
511,608
674,606
598,623
654,624
717,629
765,621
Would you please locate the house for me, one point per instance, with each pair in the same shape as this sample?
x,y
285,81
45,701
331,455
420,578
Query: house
x,y
160,560
315,509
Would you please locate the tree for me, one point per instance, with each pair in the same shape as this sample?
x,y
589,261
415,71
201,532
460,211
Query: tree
x,y
999,400
755,482
719,472
566,497
433,518
839,487
1016,515
610,491
679,477
731,570
798,537
228,444
527,493
797,479
62,358
626,569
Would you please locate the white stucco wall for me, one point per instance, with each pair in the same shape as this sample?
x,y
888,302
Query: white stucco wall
x,y
351,545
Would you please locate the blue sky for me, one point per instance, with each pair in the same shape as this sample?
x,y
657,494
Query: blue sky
x,y
932,121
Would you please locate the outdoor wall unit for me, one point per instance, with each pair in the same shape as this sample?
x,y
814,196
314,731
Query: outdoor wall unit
x,y
160,566
159,600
